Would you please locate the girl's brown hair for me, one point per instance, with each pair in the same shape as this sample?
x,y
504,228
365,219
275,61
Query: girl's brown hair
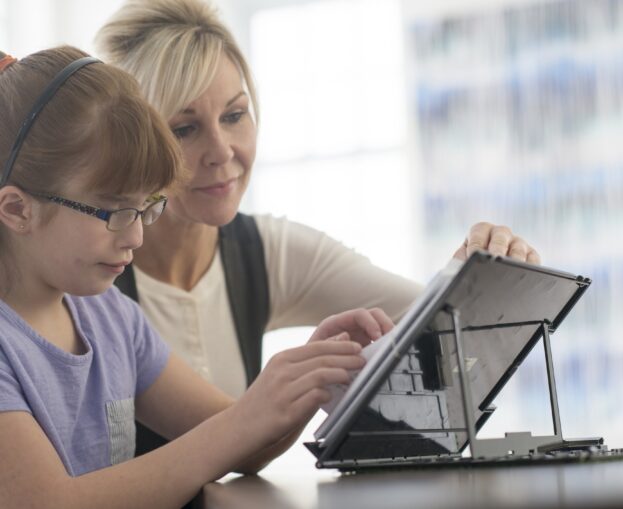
x,y
97,127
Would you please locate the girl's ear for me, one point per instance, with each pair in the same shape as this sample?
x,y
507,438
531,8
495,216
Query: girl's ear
x,y
16,211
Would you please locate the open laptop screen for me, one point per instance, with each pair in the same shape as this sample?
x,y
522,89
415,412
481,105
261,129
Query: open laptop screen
x,y
407,401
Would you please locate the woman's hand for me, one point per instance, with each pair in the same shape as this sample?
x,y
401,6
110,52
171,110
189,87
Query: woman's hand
x,y
498,240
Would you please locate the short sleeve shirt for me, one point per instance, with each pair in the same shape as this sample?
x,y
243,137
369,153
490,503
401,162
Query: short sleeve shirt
x,y
84,403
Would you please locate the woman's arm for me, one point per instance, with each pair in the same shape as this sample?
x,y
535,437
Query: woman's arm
x,y
311,275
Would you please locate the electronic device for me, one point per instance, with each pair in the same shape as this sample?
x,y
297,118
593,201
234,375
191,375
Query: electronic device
x,y
429,385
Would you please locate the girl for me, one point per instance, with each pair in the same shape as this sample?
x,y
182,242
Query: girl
x,y
82,157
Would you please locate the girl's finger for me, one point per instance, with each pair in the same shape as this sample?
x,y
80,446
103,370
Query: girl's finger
x,y
316,348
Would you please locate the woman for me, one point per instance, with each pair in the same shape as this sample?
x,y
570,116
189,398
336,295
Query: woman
x,y
192,71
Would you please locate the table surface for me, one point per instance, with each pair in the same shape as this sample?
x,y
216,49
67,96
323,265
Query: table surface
x,y
569,485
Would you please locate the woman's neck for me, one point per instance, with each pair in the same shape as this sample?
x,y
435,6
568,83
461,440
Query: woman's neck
x,y
177,253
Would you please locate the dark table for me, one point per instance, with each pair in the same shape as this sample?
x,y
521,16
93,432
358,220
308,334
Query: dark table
x,y
569,485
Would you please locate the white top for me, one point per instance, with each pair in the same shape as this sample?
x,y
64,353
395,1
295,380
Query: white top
x,y
310,276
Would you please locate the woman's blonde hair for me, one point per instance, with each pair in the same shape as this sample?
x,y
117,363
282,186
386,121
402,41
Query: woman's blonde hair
x,y
97,127
172,47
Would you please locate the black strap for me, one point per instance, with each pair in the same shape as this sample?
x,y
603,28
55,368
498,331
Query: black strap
x,y
126,282
242,254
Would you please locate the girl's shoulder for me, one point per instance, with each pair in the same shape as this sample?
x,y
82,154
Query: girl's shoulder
x,y
112,298
111,307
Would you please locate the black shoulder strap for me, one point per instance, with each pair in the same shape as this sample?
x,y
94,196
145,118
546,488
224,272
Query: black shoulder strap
x,y
127,284
242,253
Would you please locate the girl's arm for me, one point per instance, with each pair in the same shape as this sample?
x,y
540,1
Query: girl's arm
x,y
182,386
231,436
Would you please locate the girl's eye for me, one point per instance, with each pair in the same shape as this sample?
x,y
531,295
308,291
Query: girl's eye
x,y
183,131
234,117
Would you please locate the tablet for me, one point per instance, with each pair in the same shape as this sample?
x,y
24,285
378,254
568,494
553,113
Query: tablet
x,y
407,401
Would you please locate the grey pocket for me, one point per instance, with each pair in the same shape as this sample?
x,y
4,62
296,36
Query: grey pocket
x,y
122,430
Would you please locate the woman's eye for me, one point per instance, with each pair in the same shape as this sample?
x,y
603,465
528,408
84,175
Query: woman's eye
x,y
183,131
234,117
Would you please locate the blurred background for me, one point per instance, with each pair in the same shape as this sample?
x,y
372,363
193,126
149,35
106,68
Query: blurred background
x,y
396,124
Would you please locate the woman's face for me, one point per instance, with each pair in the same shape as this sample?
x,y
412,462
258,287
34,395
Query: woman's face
x,y
218,137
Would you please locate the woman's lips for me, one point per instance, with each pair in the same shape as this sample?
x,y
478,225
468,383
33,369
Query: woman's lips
x,y
221,189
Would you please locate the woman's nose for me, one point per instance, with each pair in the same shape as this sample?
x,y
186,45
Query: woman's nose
x,y
217,148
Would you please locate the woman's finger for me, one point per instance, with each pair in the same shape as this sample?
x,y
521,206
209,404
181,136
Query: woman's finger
x,y
518,249
500,240
533,257
478,238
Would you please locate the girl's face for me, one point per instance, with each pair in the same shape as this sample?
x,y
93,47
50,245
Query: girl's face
x,y
77,253
218,137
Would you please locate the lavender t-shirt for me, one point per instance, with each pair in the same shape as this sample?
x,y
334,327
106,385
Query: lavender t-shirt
x,y
84,403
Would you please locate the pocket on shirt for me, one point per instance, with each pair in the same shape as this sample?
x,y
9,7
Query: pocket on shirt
x,y
121,430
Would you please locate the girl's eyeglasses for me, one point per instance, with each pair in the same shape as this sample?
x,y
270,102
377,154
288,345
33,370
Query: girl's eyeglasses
x,y
115,219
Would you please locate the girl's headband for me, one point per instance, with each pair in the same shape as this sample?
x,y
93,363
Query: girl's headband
x,y
6,61
40,103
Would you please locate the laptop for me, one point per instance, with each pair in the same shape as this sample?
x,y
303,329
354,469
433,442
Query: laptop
x,y
428,386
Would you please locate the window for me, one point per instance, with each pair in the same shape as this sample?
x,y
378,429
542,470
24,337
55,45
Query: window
x,y
332,146
508,112
519,114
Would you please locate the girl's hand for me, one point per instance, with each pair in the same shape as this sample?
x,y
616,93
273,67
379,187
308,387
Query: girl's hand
x,y
362,325
292,386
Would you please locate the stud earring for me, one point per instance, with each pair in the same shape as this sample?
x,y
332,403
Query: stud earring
x,y
21,227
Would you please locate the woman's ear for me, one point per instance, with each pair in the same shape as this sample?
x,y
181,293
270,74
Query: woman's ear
x,y
16,210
